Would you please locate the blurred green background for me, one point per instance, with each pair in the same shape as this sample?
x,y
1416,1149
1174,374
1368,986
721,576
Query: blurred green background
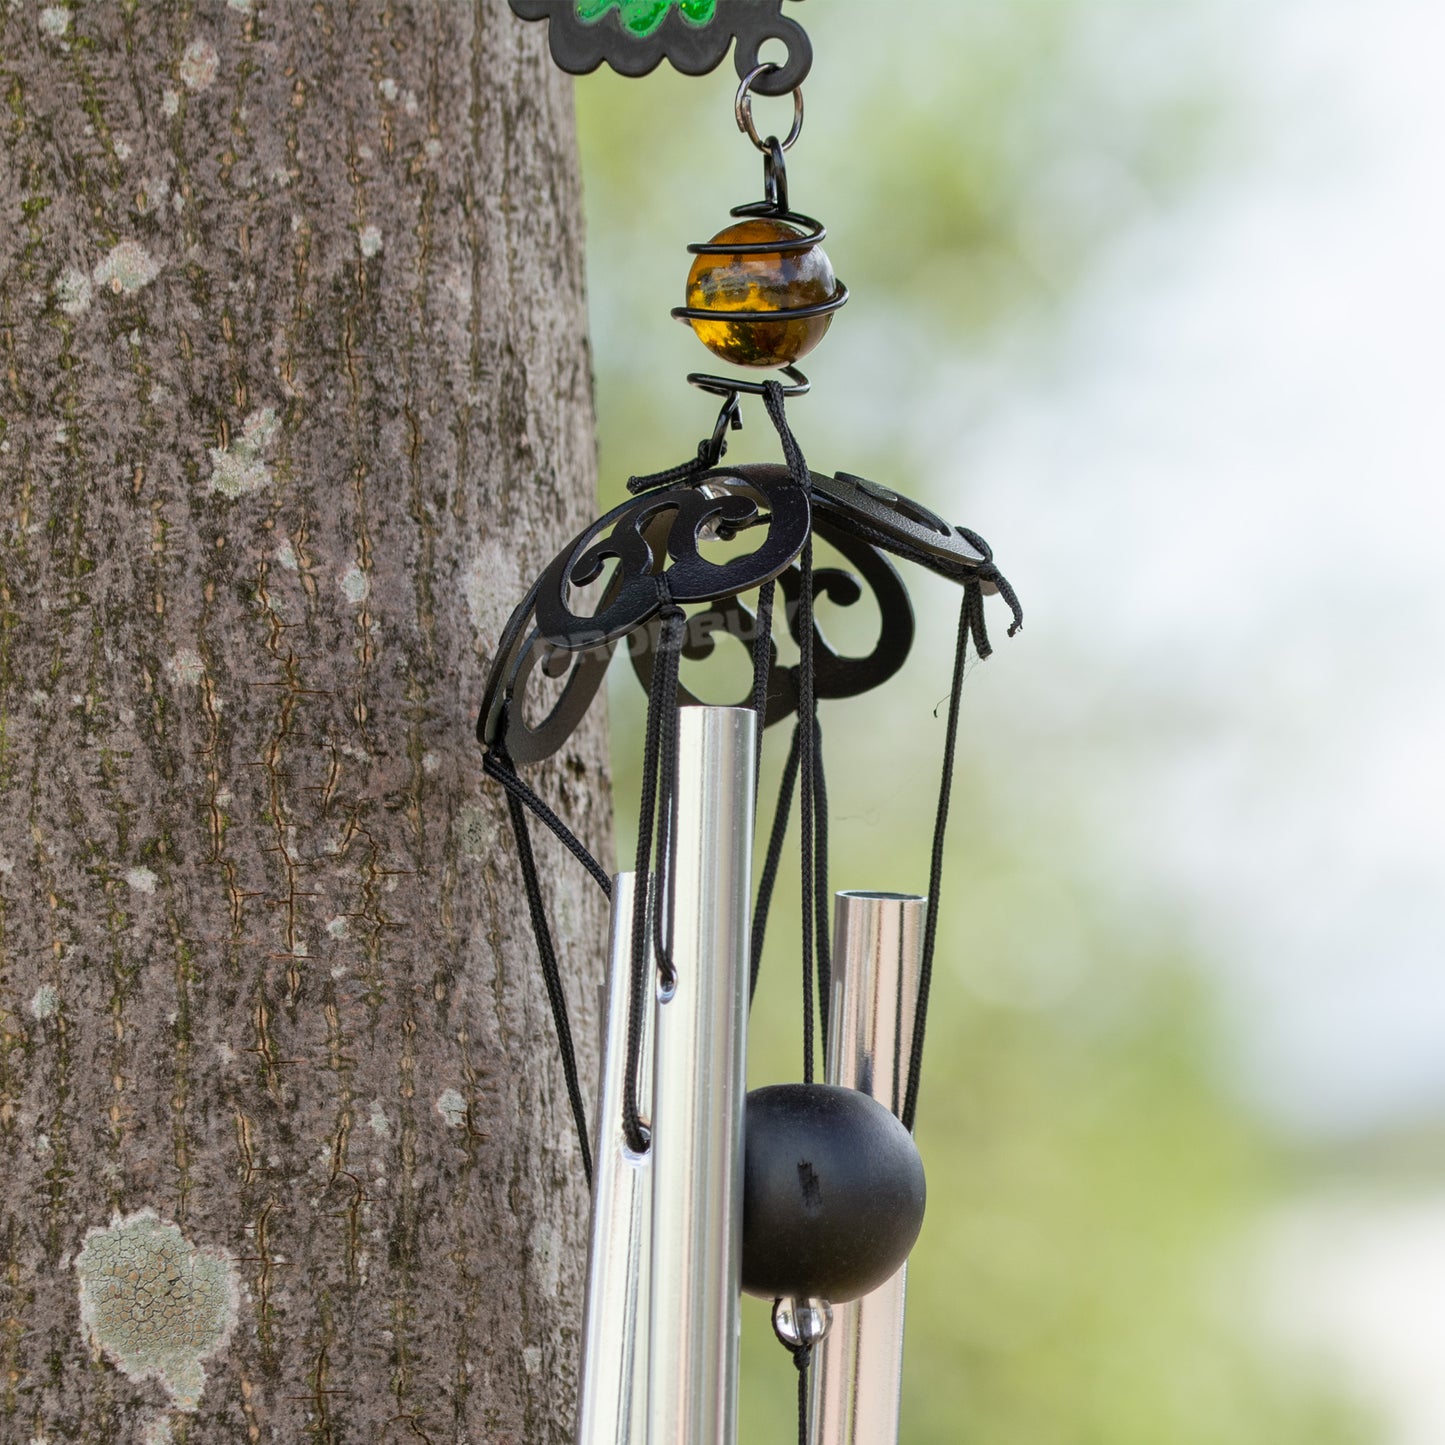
x,y
1108,1167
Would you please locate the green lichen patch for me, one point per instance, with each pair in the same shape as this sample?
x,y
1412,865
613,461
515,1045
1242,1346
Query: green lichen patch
x,y
158,1431
452,1107
474,831
186,667
127,267
72,292
142,879
46,1002
241,467
154,1303
199,65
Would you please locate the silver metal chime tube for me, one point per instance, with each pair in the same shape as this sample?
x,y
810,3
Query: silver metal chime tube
x,y
612,1401
699,1088
878,949
661,1322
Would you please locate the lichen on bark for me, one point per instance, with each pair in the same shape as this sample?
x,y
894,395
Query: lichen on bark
x,y
294,399
155,1304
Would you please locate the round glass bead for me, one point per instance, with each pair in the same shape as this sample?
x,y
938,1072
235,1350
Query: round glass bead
x,y
799,1322
759,282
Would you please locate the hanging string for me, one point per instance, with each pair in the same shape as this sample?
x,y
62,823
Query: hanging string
x,y
807,775
551,976
814,928
496,764
963,573
970,623
710,451
762,666
822,900
802,1359
773,859
659,771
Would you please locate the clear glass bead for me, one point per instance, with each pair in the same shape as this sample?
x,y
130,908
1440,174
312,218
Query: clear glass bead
x,y
801,1322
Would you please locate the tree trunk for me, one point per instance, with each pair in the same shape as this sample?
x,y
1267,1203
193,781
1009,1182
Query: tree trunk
x,y
294,400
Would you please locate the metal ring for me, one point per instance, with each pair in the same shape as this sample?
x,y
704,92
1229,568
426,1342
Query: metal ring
x,y
743,108
799,385
835,302
812,232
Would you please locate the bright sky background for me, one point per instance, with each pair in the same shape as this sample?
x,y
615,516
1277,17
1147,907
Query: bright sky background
x,y
1219,482
1224,492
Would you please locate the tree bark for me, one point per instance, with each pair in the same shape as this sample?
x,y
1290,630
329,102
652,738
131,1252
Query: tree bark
x,y
294,401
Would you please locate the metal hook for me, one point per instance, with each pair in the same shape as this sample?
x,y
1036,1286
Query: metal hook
x,y
743,109
730,416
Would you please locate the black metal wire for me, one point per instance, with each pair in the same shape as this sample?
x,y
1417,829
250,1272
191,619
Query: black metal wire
x,y
799,385
838,299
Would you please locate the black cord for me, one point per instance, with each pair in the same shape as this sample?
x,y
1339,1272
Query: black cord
x,y
773,859
684,471
813,849
762,666
962,572
551,976
659,762
662,919
807,776
821,897
970,611
709,452
802,1359
499,766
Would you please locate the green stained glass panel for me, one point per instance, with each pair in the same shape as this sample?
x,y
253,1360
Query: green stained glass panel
x,y
642,17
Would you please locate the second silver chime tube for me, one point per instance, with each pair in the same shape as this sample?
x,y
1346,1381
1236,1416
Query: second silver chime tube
x,y
878,949
698,1091
660,1346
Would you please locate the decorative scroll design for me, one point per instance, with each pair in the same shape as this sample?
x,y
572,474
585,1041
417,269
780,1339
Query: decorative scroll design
x,y
634,36
502,721
723,503
900,525
641,535
654,540
836,675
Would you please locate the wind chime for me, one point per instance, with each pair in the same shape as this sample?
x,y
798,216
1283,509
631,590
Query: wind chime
x,y
808,1194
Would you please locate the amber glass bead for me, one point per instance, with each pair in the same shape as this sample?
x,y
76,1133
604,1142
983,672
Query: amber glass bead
x,y
760,281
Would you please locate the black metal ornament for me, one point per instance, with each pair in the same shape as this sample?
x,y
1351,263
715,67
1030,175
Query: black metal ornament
x,y
702,551
836,675
652,570
502,722
635,36
656,541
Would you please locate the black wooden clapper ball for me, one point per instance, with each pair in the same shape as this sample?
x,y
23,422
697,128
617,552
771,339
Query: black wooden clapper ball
x,y
833,1193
